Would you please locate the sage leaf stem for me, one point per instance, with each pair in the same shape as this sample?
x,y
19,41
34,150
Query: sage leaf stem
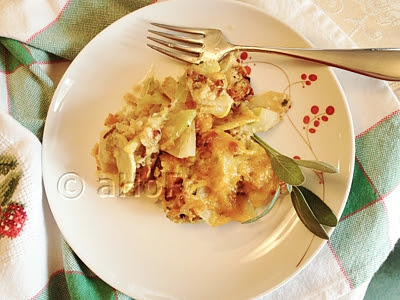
x,y
271,151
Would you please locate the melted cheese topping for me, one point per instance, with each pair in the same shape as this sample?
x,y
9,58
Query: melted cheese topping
x,y
192,136
226,181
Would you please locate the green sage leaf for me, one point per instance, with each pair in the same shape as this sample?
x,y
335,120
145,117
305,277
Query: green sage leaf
x,y
317,165
269,207
287,170
306,215
311,210
321,211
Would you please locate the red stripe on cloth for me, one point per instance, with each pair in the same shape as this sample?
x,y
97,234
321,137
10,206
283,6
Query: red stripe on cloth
x,y
29,52
38,63
61,271
50,24
115,294
47,284
367,176
360,209
377,123
380,199
340,265
26,48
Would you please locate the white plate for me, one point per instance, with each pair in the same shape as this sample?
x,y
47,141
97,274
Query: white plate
x,y
128,242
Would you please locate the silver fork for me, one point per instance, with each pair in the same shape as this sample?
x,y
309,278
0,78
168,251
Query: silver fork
x,y
200,44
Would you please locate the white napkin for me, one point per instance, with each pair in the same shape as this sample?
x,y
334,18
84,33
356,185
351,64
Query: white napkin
x,y
29,246
22,19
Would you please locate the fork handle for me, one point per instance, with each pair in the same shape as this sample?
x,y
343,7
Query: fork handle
x,y
381,63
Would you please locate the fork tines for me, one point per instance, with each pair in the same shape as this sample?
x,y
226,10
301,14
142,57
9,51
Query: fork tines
x,y
192,30
185,47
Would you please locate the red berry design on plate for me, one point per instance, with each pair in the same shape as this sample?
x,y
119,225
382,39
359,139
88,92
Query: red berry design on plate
x,y
313,121
244,55
248,69
314,109
330,110
12,220
308,79
241,59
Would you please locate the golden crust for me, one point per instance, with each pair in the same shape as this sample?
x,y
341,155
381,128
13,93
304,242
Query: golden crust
x,y
224,182
224,175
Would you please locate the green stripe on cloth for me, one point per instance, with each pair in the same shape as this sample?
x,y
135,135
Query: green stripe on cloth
x,y
81,22
379,155
59,289
28,89
3,79
361,192
20,54
65,285
361,254
123,296
43,57
3,58
30,92
83,287
23,55
56,289
364,213
82,282
38,95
